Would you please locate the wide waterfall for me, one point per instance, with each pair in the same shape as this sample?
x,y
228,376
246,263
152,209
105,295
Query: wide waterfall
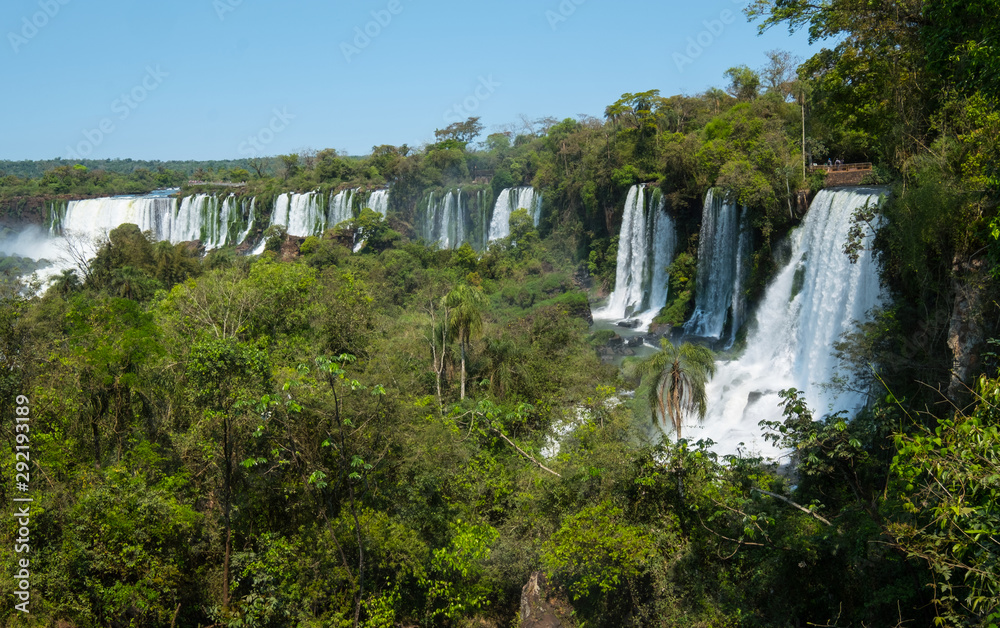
x,y
723,250
646,247
95,217
508,201
813,300
214,220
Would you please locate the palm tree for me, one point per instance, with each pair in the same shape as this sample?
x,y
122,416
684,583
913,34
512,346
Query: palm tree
x,y
680,376
466,303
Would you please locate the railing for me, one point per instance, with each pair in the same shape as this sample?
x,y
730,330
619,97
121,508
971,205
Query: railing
x,y
841,167
218,183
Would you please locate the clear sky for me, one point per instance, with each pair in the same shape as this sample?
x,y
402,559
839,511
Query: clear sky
x,y
220,79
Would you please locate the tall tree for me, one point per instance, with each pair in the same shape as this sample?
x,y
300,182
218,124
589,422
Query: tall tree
x,y
226,378
744,83
467,304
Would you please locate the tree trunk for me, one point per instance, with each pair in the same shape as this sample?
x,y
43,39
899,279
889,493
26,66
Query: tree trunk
x,y
463,369
227,502
675,392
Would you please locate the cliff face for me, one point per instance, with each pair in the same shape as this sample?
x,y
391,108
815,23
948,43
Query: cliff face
x,y
24,210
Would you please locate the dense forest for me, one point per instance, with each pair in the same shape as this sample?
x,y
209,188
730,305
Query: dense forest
x,y
406,435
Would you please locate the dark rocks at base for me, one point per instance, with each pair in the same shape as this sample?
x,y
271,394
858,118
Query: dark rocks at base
x,y
634,341
757,394
630,323
540,609
193,247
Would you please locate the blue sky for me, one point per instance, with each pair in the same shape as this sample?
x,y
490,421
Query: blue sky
x,y
218,79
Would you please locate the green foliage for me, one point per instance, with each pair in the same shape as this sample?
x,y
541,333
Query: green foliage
x,y
371,228
196,452
949,483
453,584
744,83
680,297
595,549
275,237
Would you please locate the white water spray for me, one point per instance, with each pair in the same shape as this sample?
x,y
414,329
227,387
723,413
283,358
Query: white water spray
x,y
813,300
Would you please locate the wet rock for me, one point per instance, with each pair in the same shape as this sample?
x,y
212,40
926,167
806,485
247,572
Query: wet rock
x,y
630,323
757,394
634,341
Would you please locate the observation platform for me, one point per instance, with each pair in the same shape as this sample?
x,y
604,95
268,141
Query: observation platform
x,y
843,174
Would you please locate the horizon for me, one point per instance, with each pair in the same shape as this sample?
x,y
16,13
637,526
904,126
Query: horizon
x,y
207,80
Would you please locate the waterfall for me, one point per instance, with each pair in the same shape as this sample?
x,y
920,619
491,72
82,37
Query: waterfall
x,y
379,202
806,308
96,216
738,305
646,245
251,220
187,222
200,217
510,200
664,247
302,214
719,267
340,207
443,222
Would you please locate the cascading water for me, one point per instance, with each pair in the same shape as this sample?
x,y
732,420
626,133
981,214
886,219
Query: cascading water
x,y
379,202
96,216
813,300
510,200
251,221
723,239
646,247
340,207
302,214
738,307
444,220
198,217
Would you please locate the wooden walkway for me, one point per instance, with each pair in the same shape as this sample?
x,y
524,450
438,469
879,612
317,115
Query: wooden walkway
x,y
222,184
866,166
843,174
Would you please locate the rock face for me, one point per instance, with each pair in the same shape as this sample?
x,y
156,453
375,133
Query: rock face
x,y
538,610
965,330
